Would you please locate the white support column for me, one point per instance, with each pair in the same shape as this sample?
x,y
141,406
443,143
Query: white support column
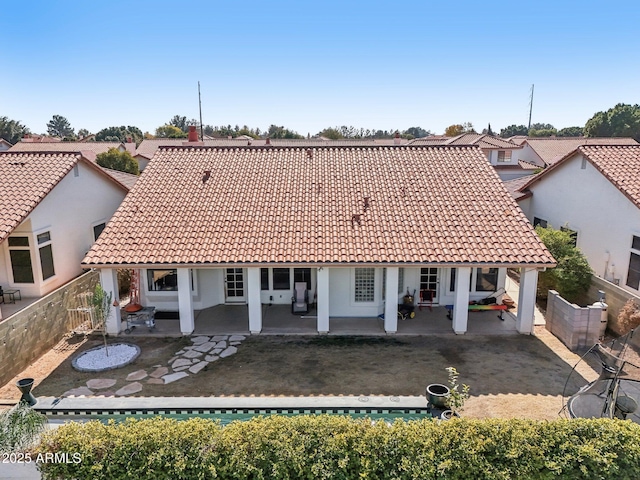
x,y
391,301
255,305
527,300
185,301
461,300
109,282
323,300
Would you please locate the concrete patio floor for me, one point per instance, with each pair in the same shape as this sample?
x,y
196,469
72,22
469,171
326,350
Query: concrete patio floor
x,y
278,320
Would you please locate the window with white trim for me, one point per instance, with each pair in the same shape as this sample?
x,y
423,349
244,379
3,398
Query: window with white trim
x,y
539,221
504,156
400,280
365,282
572,233
162,280
97,230
46,255
633,274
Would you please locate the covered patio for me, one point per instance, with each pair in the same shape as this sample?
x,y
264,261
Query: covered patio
x,y
278,320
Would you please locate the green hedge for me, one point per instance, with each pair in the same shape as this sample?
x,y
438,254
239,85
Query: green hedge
x,y
335,447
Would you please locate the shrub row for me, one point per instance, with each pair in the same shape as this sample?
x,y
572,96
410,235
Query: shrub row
x,y
323,447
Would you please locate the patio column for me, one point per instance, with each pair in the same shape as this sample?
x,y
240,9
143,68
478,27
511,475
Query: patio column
x,y
461,300
527,300
185,301
391,301
255,305
323,299
109,282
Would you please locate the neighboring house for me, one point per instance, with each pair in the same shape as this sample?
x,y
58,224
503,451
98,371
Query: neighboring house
x,y
4,145
360,225
94,148
502,154
543,152
594,192
53,206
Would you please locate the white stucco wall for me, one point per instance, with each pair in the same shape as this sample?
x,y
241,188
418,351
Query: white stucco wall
x,y
527,154
588,203
69,213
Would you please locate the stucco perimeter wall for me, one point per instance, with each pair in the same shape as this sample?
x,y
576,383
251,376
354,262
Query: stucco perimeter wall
x,y
29,333
615,298
577,327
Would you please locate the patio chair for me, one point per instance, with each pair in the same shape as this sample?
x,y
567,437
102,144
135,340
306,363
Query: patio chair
x,y
300,299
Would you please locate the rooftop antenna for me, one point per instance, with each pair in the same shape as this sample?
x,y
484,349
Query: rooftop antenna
x,y
530,106
200,107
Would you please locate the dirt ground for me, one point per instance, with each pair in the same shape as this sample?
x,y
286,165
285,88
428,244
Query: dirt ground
x,y
509,376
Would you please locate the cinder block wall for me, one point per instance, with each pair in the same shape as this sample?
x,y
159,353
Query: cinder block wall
x,y
29,333
615,298
577,327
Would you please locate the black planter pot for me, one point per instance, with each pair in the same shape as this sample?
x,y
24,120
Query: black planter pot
x,y
25,385
437,395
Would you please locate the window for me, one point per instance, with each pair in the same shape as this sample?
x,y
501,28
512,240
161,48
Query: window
x,y
633,275
539,221
264,279
572,233
486,279
20,255
46,254
452,280
302,275
384,284
365,279
400,280
281,279
97,230
162,280
504,155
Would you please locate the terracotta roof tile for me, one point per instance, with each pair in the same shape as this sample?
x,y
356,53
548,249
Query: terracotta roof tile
x,y
93,147
307,205
27,177
620,164
552,149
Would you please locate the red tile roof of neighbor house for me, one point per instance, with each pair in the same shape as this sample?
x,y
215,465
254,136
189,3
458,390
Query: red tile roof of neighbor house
x,y
480,139
95,147
149,147
620,164
552,149
265,205
26,178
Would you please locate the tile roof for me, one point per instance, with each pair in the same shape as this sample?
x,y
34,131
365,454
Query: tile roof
x,y
481,139
552,149
513,187
93,147
261,205
126,179
26,178
619,164
149,147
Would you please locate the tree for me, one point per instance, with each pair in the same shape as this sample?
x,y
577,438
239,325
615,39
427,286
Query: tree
x,y
542,130
60,127
179,122
513,130
11,130
620,121
488,130
331,133
570,132
83,132
170,131
458,129
572,276
281,132
417,132
119,134
117,160
101,302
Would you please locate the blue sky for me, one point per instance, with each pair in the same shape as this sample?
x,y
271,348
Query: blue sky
x,y
307,65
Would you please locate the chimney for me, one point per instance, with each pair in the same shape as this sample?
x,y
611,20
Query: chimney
x,y
267,141
396,139
129,140
193,134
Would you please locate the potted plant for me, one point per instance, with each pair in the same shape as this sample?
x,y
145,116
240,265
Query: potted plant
x,y
458,395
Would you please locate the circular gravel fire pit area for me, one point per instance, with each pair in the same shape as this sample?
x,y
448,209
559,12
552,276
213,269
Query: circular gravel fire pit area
x,y
97,360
